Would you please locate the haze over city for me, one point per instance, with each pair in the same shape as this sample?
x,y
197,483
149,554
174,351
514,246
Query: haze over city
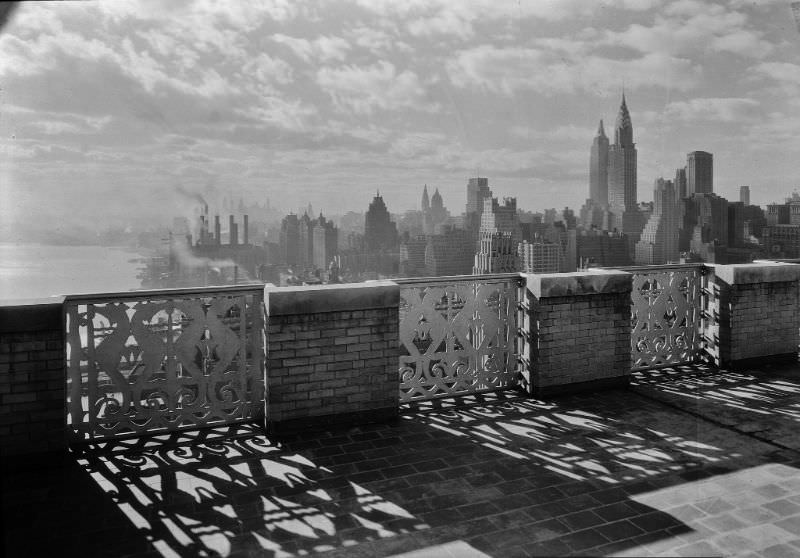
x,y
108,108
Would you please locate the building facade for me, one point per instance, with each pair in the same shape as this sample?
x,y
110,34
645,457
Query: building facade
x,y
598,168
699,173
659,240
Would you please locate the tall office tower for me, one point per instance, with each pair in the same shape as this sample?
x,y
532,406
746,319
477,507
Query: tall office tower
x,y
497,254
426,205
744,195
659,240
477,191
290,240
306,243
699,173
598,168
380,232
680,183
622,164
501,218
325,242
735,224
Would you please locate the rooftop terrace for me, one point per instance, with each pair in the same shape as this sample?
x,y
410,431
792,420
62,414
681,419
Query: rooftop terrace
x,y
506,418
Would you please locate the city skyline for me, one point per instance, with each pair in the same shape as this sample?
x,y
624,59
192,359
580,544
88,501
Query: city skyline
x,y
109,109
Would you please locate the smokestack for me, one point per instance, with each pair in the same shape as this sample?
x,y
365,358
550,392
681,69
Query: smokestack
x,y
206,209
217,233
231,231
245,230
202,229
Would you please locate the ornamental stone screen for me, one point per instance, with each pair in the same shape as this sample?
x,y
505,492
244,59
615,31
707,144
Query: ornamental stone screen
x,y
457,336
665,316
163,361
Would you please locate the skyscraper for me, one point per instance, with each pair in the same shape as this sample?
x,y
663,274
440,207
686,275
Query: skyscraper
x,y
477,190
426,205
622,164
380,232
659,240
680,183
744,195
598,168
699,173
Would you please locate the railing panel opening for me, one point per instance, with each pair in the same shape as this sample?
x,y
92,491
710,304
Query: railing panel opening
x,y
458,336
665,316
162,361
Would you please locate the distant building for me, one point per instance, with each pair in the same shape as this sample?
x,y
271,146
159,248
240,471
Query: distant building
x,y
595,247
412,256
380,232
735,225
497,254
744,194
680,183
539,257
659,240
598,168
449,253
290,240
477,191
325,243
497,217
699,173
782,241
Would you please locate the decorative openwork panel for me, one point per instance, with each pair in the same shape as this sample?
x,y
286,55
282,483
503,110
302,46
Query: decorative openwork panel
x,y
163,361
665,317
457,337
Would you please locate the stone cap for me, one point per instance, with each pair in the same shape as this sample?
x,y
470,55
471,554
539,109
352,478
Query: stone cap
x,y
756,272
580,283
31,314
307,299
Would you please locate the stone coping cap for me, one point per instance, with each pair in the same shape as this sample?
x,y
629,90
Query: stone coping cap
x,y
757,272
287,301
580,283
31,314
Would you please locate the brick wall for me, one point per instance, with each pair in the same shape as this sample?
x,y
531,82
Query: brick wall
x,y
32,416
756,310
580,330
332,355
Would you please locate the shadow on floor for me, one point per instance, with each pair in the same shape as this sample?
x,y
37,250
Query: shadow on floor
x,y
503,477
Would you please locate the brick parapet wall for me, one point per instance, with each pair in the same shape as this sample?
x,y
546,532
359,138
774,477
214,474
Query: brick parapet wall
x,y
755,307
332,355
32,386
580,330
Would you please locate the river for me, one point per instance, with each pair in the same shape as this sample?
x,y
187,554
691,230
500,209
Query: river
x,y
41,270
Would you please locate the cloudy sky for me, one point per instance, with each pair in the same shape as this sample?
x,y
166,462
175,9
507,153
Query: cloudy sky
x,y
108,109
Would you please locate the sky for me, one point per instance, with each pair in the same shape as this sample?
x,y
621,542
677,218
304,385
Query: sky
x,y
117,111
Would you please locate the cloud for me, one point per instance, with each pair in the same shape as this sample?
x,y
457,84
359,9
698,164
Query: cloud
x,y
712,109
321,49
509,70
687,26
364,89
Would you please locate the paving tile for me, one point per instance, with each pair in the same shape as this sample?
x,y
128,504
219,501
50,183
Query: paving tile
x,y
686,512
772,491
613,512
619,530
723,523
701,548
791,524
783,508
780,551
